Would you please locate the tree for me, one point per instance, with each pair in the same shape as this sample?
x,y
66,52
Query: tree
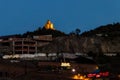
x,y
77,31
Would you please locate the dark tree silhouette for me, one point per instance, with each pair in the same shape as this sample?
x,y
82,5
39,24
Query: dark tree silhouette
x,y
77,31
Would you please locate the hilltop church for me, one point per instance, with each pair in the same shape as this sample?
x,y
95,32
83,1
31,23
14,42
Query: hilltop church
x,y
49,25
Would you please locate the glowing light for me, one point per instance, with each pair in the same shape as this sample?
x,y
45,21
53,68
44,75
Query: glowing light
x,y
49,25
97,67
75,77
97,76
86,79
101,74
73,70
80,77
119,75
91,75
65,64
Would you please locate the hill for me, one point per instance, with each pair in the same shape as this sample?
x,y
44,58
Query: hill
x,y
43,31
110,30
104,39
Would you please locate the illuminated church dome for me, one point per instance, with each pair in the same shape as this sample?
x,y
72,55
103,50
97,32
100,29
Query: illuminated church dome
x,y
49,25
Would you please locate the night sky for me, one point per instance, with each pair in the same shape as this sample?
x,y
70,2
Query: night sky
x,y
19,16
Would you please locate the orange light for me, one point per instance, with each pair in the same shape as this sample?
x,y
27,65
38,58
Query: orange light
x,y
80,77
97,67
86,79
75,77
49,25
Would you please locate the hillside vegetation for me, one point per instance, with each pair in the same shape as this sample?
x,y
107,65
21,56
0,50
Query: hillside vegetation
x,y
110,30
104,39
43,31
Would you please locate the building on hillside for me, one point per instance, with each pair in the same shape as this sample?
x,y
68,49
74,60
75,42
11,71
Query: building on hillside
x,y
49,25
17,45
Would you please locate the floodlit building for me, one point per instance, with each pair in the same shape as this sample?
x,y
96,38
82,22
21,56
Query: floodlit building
x,y
49,25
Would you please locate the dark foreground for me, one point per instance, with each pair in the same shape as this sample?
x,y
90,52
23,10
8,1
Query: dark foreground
x,y
29,70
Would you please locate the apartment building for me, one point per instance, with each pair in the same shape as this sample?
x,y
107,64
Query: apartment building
x,y
13,45
18,45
